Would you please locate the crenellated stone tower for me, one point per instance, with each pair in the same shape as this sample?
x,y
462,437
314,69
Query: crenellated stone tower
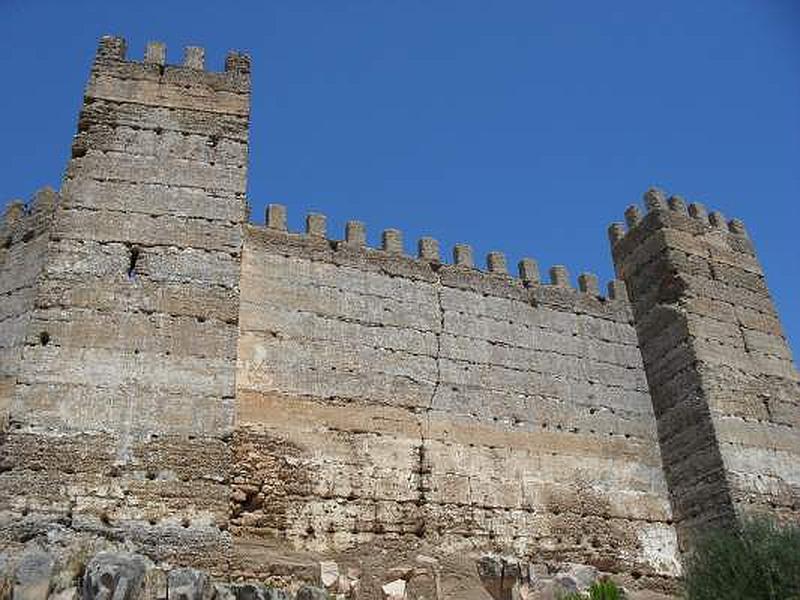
x,y
252,401
724,387
124,395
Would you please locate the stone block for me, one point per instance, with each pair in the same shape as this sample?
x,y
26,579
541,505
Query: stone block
x,y
110,575
32,575
189,584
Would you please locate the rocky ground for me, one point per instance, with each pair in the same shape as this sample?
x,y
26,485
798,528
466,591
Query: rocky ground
x,y
88,568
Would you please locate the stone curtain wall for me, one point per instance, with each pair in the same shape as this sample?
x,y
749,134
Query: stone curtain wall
x,y
23,245
391,402
725,390
122,419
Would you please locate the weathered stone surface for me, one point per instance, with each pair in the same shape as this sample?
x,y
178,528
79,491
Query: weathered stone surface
x,y
189,584
494,371
328,573
717,362
141,277
394,590
280,410
251,591
114,575
310,592
32,576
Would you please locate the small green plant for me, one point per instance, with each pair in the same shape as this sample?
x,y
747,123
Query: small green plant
x,y
605,589
759,562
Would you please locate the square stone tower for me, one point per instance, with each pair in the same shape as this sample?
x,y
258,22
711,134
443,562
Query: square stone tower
x,y
724,388
124,396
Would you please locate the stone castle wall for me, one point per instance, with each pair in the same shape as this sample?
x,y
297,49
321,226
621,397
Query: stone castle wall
x,y
249,400
420,400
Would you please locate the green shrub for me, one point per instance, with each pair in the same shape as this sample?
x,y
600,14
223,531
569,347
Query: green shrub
x,y
605,589
761,562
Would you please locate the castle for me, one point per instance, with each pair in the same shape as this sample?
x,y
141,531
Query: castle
x,y
239,398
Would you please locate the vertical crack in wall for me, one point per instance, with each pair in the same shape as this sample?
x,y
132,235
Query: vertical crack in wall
x,y
423,467
439,334
422,471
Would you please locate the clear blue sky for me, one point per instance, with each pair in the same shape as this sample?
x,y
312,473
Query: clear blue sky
x,y
516,125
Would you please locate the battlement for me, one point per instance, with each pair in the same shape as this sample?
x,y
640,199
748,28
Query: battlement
x,y
113,50
429,257
21,222
154,82
674,212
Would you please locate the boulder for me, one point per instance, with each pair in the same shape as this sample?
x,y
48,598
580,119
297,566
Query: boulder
x,y
328,574
490,567
546,589
499,575
32,575
394,590
224,591
256,591
310,592
114,576
155,585
189,584
250,591
581,577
